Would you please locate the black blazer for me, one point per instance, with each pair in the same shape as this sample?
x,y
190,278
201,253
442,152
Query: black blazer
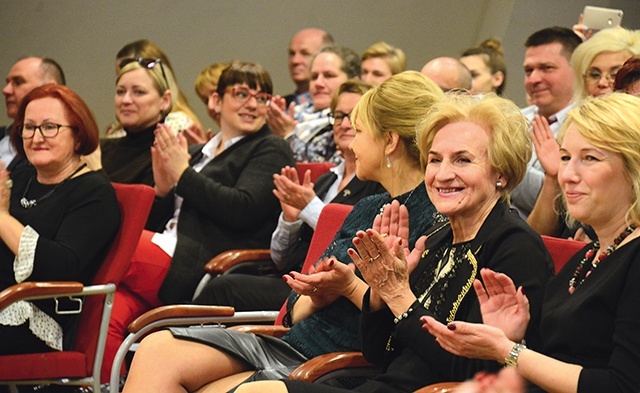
x,y
228,204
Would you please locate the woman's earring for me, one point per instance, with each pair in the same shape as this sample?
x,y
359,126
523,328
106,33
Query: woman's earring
x,y
388,162
499,184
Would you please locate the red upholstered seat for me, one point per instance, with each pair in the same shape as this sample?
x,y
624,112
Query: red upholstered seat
x,y
81,366
316,168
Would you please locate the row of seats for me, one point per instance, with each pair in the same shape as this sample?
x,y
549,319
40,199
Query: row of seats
x,y
81,365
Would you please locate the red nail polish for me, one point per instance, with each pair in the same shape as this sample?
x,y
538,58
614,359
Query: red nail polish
x,y
451,326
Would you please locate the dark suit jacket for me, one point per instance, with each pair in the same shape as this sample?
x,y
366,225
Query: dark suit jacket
x,y
228,204
17,161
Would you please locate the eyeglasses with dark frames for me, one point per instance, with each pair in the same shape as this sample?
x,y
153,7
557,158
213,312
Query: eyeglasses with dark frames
x,y
335,119
47,130
146,63
242,95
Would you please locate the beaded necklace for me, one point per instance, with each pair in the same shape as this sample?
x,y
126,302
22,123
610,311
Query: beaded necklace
x,y
590,255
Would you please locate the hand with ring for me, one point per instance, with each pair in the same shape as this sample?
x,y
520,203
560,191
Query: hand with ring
x,y
325,282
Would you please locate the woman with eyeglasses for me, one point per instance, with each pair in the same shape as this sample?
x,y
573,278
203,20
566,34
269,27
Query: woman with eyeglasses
x,y
301,206
595,64
209,359
57,218
181,116
306,126
209,199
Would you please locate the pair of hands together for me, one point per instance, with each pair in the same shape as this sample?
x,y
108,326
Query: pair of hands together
x,y
387,273
169,158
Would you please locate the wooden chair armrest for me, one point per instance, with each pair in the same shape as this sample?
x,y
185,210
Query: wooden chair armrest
x,y
441,387
317,367
269,330
37,289
182,311
226,260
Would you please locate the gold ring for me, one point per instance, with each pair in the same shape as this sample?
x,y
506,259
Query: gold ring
x,y
9,183
376,257
313,290
383,235
287,196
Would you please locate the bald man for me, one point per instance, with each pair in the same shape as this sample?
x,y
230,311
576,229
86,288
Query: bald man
x,y
303,46
448,73
24,76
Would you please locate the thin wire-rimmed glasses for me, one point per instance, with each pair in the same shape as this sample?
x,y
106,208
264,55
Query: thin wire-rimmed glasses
x,y
47,130
242,95
146,63
594,76
335,119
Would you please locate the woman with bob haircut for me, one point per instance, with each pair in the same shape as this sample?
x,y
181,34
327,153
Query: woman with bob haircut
x,y
321,320
595,64
209,199
476,152
590,319
57,218
381,61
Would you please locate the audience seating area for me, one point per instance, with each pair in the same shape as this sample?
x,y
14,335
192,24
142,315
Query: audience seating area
x,y
81,365
329,222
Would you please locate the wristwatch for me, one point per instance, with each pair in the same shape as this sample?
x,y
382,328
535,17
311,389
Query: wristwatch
x,y
512,359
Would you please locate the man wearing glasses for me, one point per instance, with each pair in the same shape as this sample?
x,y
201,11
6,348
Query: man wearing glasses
x,y
24,76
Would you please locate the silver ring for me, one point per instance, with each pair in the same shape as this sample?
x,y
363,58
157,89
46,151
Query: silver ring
x,y
9,183
313,290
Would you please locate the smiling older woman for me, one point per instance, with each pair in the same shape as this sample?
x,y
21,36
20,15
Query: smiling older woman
x,y
590,318
476,152
57,218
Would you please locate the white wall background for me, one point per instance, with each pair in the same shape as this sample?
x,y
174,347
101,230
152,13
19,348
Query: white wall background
x,y
84,35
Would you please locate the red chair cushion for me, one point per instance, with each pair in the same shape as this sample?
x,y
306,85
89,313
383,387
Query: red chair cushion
x,y
49,365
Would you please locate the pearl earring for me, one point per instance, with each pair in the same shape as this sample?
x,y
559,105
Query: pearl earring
x,y
388,162
499,184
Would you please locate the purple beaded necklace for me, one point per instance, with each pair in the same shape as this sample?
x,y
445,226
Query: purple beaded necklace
x,y
590,255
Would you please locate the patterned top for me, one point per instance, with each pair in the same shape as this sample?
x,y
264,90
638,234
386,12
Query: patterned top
x,y
312,139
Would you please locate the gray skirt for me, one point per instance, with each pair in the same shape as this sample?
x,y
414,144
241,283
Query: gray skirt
x,y
271,358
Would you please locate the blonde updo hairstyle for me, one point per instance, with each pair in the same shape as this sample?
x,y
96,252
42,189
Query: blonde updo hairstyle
x,y
492,54
509,148
397,105
612,123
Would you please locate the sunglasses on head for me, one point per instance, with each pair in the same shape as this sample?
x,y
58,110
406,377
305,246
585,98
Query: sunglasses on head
x,y
146,63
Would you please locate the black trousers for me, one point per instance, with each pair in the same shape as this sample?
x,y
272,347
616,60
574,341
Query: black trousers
x,y
245,292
